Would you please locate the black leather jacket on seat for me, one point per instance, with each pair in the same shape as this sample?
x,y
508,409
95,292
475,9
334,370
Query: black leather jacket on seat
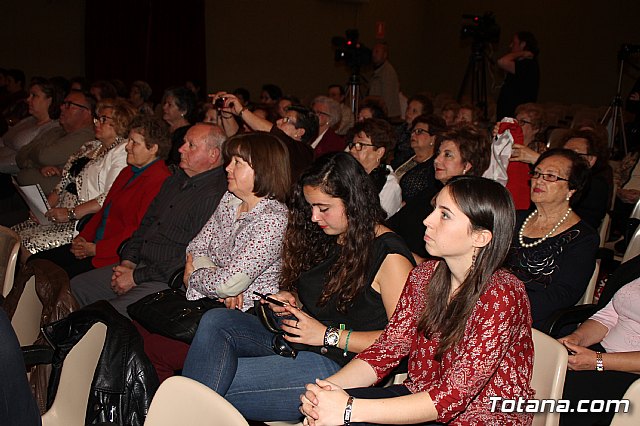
x,y
125,380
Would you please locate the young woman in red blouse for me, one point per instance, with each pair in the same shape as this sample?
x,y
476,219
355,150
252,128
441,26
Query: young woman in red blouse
x,y
464,323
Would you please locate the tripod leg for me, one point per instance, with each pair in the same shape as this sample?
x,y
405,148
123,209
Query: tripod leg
x,y
623,132
465,79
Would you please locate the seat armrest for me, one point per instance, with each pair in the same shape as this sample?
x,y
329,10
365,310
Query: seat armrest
x,y
568,317
82,222
121,247
176,279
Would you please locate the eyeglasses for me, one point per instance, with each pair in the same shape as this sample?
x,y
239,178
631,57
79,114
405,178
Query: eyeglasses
x,y
101,119
289,120
419,132
546,176
359,145
67,104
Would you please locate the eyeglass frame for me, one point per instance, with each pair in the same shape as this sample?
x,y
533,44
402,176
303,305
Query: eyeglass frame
x,y
102,119
547,177
359,145
67,104
289,120
417,131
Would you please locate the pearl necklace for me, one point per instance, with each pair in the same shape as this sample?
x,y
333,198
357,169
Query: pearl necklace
x,y
550,233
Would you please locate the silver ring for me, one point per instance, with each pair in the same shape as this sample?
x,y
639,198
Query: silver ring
x,y
296,326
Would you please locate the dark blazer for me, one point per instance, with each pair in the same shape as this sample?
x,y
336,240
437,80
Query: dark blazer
x,y
330,142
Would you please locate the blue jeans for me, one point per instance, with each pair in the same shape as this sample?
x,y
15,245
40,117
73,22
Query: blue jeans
x,y
231,353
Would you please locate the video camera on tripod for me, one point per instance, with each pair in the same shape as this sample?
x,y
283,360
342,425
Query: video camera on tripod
x,y
481,29
355,55
350,51
627,50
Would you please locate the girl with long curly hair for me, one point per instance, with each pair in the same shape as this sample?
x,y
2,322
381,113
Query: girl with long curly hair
x,y
463,321
342,275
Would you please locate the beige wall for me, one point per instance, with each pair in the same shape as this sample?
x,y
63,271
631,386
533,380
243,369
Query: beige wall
x,y
42,37
287,42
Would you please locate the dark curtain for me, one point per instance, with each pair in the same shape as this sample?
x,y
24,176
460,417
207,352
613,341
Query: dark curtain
x,y
162,43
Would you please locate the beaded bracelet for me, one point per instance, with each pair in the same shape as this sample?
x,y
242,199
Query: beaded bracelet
x,y
346,344
599,363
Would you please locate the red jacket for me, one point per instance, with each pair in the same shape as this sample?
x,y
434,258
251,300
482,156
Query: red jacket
x,y
129,204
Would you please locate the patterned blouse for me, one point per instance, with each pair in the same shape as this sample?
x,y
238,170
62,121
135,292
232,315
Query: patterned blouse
x,y
87,176
241,254
493,358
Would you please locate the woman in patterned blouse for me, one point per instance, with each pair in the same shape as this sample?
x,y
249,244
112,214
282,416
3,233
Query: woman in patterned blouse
x,y
463,322
85,179
238,250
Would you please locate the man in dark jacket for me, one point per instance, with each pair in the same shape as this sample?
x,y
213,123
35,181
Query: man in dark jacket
x,y
157,249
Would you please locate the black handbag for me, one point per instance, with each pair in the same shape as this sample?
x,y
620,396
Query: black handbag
x,y
170,314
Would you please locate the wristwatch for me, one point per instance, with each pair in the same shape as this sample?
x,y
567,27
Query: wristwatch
x,y
331,336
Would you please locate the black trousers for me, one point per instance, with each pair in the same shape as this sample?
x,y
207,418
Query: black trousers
x,y
605,385
63,257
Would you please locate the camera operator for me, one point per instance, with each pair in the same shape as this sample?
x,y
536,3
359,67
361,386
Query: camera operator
x,y
384,82
523,75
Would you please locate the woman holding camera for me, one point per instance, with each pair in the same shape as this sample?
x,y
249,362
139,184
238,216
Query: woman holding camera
x,y
342,274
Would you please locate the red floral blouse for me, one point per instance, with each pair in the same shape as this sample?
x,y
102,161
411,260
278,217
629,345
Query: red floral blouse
x,y
493,358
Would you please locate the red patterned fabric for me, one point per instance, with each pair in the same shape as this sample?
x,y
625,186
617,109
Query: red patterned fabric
x,y
493,358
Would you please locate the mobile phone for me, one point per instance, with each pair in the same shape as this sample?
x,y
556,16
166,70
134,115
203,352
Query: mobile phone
x,y
271,299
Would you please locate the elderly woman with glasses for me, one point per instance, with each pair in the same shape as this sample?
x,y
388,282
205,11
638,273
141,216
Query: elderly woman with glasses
x,y
371,142
418,173
85,179
553,249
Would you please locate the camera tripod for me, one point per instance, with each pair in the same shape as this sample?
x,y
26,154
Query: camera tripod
x,y
354,93
477,73
615,113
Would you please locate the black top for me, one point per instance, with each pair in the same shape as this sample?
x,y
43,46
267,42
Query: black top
x,y
175,216
367,311
402,151
595,201
177,140
518,88
557,271
417,179
300,154
407,222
